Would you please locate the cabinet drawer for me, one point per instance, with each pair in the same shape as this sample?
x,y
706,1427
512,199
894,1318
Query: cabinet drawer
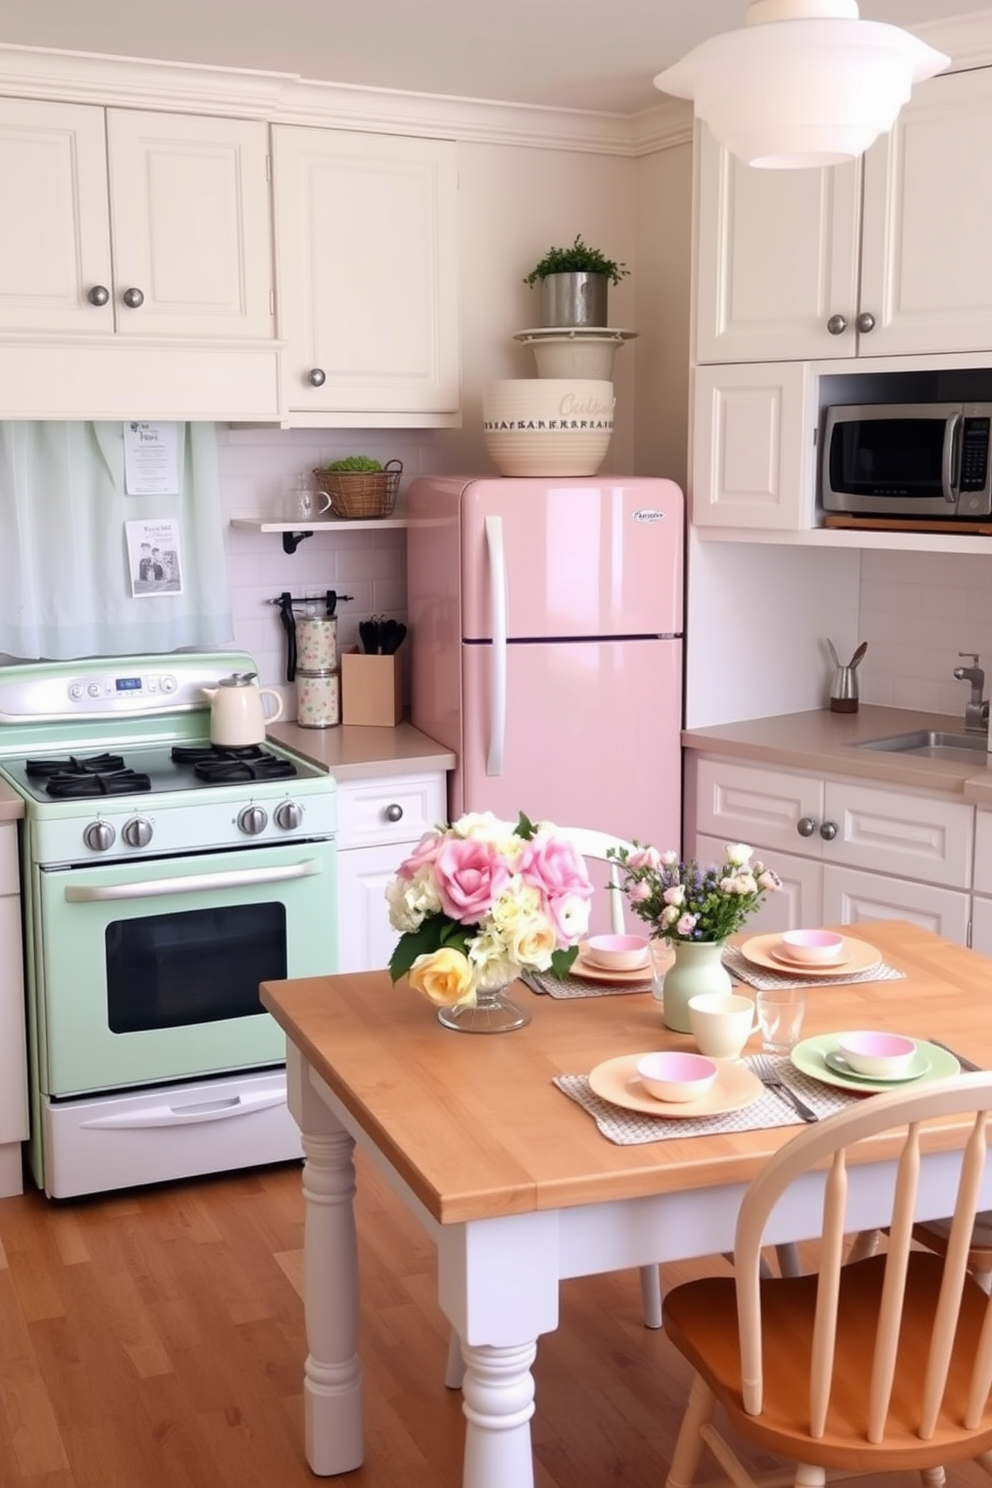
x,y
9,875
400,808
917,837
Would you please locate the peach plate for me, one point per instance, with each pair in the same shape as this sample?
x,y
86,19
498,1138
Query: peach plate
x,y
617,1081
858,956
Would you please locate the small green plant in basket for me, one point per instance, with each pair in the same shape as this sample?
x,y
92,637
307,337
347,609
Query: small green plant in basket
x,y
360,486
361,464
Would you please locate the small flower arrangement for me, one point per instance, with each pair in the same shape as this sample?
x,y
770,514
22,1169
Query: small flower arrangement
x,y
480,900
685,901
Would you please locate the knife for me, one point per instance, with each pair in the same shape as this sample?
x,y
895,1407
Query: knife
x,y
966,1064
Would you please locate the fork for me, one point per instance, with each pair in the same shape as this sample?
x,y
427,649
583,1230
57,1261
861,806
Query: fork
x,y
767,1074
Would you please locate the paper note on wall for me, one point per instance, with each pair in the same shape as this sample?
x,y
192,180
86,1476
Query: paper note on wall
x,y
151,465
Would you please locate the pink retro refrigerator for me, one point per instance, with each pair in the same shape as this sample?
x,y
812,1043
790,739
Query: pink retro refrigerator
x,y
546,646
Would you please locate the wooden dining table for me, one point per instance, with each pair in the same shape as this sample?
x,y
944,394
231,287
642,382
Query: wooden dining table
x,y
517,1186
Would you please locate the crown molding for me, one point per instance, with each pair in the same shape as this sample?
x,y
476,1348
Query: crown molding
x,y
967,40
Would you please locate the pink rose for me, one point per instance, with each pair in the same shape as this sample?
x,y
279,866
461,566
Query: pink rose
x,y
424,853
638,892
553,867
645,857
470,877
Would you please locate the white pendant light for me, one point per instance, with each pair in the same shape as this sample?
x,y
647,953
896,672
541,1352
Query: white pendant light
x,y
806,83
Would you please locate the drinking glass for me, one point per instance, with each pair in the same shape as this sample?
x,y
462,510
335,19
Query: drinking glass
x,y
781,1011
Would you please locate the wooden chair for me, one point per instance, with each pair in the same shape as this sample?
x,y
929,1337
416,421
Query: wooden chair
x,y
882,1365
933,1234
593,846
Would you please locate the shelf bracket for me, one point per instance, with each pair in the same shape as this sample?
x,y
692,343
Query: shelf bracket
x,y
291,540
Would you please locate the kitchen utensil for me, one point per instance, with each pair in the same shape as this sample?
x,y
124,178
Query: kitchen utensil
x,y
781,1011
369,632
810,1058
880,1056
772,1080
833,652
392,638
306,502
859,956
317,644
855,659
966,1064
721,1023
673,1075
237,712
617,1081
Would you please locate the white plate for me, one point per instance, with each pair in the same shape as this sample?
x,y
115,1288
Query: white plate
x,y
617,1081
918,1065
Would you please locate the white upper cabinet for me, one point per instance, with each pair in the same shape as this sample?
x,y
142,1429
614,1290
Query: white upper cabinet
x,y
781,253
366,275
125,223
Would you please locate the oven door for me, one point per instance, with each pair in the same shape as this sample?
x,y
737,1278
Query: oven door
x,y
149,971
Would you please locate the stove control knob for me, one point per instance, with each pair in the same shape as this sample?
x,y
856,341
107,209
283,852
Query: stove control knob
x,y
289,816
137,832
99,835
253,820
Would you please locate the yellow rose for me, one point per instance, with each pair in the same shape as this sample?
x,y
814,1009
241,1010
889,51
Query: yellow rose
x,y
532,942
444,978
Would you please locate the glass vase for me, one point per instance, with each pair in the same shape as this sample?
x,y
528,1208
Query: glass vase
x,y
698,967
494,1011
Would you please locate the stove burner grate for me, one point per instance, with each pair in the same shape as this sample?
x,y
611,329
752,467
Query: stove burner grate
x,y
218,766
86,783
94,764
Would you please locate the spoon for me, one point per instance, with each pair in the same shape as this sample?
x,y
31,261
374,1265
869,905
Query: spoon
x,y
858,654
833,653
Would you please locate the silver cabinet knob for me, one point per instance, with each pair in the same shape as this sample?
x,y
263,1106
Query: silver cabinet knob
x,y
99,294
133,298
394,813
836,325
289,816
253,820
99,835
865,322
806,826
828,830
137,832
316,377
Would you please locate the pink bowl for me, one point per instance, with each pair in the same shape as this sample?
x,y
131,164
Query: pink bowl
x,y
672,1076
617,952
881,1056
815,947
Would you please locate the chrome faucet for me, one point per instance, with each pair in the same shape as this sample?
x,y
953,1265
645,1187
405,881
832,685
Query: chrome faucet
x,y
976,709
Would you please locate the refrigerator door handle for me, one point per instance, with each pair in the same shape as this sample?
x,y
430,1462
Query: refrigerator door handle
x,y
497,695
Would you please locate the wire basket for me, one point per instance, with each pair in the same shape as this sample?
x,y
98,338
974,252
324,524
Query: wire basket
x,y
360,493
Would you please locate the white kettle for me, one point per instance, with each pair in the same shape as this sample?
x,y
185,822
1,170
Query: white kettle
x,y
237,714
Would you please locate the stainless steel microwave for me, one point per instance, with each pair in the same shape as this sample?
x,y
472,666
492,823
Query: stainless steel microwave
x,y
908,460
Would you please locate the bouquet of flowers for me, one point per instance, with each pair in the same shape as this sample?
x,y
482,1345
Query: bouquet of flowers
x,y
684,901
480,900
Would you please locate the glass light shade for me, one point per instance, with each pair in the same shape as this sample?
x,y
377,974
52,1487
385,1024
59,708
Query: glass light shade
x,y
815,89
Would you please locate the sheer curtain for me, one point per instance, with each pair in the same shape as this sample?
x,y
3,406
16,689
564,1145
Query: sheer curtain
x,y
65,581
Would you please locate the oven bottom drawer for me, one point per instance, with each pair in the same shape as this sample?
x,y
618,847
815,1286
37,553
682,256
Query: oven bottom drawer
x,y
173,1131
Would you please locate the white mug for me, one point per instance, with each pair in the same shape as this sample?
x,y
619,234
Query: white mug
x,y
722,1023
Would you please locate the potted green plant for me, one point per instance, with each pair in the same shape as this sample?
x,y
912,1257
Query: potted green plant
x,y
575,283
360,485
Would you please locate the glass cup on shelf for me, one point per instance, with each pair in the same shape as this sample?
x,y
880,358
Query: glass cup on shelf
x,y
781,1011
306,502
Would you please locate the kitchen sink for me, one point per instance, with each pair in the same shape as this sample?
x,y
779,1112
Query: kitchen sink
x,y
932,744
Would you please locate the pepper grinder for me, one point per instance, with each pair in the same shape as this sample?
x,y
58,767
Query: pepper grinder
x,y
844,687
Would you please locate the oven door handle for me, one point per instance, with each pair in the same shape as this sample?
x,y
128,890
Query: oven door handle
x,y
192,883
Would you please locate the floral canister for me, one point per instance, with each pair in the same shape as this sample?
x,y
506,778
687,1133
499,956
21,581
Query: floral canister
x,y
318,699
317,644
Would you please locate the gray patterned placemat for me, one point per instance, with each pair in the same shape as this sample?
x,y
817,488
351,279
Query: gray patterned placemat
x,y
568,986
628,1128
756,976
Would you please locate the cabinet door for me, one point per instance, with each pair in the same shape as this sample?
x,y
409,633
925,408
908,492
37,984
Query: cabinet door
x,y
366,940
981,925
366,240
853,898
798,903
928,223
777,257
739,803
896,832
55,243
191,225
753,447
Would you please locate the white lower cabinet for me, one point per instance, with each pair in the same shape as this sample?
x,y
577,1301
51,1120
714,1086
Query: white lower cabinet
x,y
13,1048
847,852
379,822
981,904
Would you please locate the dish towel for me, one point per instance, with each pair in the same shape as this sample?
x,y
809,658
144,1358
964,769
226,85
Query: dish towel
x,y
745,971
629,1128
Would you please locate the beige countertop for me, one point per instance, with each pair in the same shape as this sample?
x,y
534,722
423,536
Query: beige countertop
x,y
828,743
360,752
11,804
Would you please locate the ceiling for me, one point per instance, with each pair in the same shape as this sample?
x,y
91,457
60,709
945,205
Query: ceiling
x,y
583,54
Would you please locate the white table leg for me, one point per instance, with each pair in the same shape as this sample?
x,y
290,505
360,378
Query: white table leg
x,y
498,1402
332,1387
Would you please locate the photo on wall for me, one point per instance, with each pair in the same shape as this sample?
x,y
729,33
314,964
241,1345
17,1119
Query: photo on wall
x,y
154,559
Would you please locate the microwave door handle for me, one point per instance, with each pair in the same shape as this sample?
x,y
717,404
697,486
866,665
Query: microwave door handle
x,y
191,883
949,474
498,626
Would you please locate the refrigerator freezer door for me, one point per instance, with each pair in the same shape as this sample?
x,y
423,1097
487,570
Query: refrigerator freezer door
x,y
589,557
592,736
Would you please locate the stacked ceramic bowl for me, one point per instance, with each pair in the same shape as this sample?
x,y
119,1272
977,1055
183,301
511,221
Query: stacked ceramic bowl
x,y
547,426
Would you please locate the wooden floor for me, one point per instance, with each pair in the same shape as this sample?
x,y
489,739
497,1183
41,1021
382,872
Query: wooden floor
x,y
154,1339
